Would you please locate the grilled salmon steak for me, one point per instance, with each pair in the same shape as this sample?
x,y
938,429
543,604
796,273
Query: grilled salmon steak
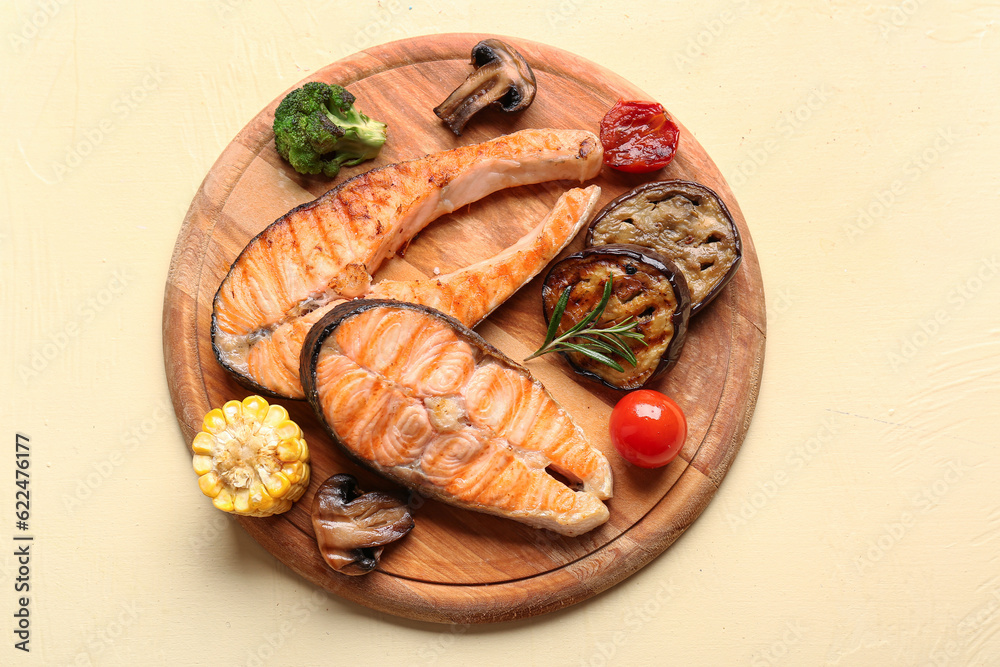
x,y
326,251
415,395
468,295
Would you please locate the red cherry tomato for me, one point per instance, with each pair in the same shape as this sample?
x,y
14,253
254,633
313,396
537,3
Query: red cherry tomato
x,y
648,428
638,137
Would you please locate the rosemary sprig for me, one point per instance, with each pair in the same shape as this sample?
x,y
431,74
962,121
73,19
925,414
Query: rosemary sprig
x,y
597,344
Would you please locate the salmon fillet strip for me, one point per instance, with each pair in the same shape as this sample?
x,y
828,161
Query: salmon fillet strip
x,y
468,295
327,250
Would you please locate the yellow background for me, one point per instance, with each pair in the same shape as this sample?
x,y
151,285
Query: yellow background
x,y
858,526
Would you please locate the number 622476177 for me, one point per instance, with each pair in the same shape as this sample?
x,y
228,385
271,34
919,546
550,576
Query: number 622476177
x,y
22,462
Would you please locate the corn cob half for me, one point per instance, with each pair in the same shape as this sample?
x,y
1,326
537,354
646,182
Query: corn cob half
x,y
251,458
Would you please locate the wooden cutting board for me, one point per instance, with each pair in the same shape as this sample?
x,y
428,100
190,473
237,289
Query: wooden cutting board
x,y
456,565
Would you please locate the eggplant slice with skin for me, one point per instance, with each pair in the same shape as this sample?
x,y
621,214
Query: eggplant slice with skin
x,y
416,396
645,286
683,221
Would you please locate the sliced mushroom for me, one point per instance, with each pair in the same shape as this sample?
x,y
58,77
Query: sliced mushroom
x,y
352,528
501,76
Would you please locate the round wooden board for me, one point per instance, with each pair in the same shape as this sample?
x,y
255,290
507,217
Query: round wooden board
x,y
456,565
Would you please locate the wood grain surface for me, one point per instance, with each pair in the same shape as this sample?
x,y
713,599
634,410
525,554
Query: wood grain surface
x,y
456,565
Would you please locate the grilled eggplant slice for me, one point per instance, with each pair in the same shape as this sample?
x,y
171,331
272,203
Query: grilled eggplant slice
x,y
416,396
645,286
683,221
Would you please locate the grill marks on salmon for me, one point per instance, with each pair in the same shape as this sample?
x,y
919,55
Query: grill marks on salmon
x,y
518,409
472,293
418,397
468,295
426,360
325,251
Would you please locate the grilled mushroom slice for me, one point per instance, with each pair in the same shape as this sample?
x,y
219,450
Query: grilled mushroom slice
x,y
501,76
683,221
645,286
352,528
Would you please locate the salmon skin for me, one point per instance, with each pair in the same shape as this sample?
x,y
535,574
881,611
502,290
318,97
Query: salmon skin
x,y
416,396
327,250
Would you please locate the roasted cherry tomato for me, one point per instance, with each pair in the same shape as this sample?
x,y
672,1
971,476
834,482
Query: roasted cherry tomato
x,y
648,428
638,137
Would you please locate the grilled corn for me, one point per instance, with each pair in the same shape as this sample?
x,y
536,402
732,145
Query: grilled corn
x,y
251,458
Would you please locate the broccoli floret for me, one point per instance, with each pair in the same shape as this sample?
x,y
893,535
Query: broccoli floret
x,y
318,130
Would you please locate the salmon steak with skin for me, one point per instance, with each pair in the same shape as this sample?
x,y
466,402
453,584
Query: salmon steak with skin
x,y
468,295
418,397
323,252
